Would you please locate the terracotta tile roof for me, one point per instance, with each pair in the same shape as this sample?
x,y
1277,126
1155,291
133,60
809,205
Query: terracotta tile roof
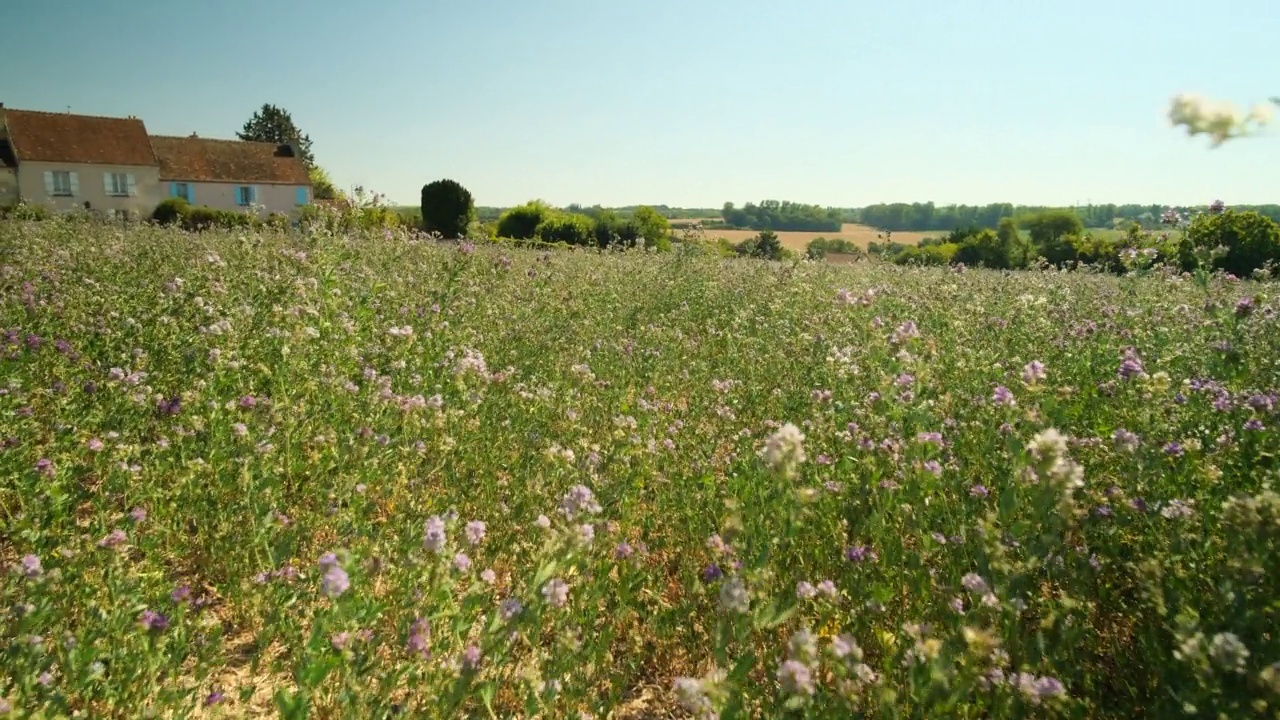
x,y
66,138
206,160
6,154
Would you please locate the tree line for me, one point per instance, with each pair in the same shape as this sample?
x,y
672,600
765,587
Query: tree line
x,y
782,215
927,216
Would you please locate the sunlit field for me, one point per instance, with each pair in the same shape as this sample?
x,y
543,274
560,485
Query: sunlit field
x,y
860,235
365,476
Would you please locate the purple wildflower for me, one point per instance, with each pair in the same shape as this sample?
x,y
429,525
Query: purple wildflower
x,y
1003,397
475,532
1254,424
31,566
44,466
805,590
510,608
138,514
1244,307
858,553
623,551
932,467
795,677
419,637
335,580
556,592
340,640
113,539
471,659
1173,449
248,402
434,537
461,562
711,573
488,576
1033,372
180,594
213,698
1130,364
578,499
152,620
979,491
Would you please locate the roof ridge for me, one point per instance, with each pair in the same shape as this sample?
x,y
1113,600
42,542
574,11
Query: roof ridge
x,y
209,139
71,114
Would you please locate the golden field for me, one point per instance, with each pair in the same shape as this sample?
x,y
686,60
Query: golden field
x,y
862,235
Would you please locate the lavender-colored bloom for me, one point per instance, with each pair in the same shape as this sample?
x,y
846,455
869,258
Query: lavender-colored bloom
x,y
510,608
556,592
172,406
434,537
859,553
327,560
45,679
1254,424
711,573
180,594
248,402
979,491
543,522
1130,364
31,566
1244,307
1138,504
623,551
934,438
1177,509
827,588
488,576
461,562
419,638
933,467
152,620
795,678
1033,372
475,532
974,583
95,445
1125,440
578,499
113,539
470,659
1173,449
1003,397
1049,687
44,466
214,697
586,532
335,581
805,590
138,514
939,538
340,640
905,380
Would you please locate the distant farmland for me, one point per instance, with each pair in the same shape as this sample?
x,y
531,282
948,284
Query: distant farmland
x,y
862,235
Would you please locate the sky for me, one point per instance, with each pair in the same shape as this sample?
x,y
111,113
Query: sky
x,y
687,102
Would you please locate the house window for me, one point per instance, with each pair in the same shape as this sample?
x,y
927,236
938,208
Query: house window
x,y
118,184
61,183
245,195
182,190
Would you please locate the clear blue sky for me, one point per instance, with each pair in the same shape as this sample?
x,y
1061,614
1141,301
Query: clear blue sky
x,y
687,102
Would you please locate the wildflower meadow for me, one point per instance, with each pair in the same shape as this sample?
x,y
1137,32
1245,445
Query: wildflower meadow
x,y
368,474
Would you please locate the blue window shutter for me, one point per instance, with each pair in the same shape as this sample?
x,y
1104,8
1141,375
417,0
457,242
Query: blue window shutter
x,y
173,189
253,193
302,196
191,193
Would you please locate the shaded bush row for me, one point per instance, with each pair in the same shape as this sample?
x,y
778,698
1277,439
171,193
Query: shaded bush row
x,y
537,220
1237,242
176,211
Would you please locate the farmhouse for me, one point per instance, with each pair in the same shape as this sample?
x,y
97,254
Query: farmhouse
x,y
65,162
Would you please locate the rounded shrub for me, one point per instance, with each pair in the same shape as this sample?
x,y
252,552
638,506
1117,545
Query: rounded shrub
x,y
521,223
171,211
1242,241
568,228
447,208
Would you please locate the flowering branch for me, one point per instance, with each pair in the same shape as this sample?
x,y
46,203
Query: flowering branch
x,y
1220,120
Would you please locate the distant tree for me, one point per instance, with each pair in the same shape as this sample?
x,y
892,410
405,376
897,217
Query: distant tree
x,y
1047,228
651,225
521,223
1016,250
322,187
568,228
1238,242
447,208
275,125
